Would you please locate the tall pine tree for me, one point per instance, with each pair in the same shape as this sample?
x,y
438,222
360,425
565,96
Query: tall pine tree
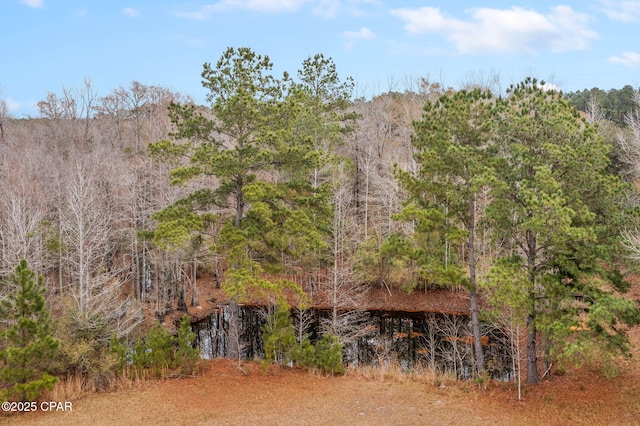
x,y
557,213
257,144
455,155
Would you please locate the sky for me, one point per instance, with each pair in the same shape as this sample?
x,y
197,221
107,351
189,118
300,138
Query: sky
x,y
48,45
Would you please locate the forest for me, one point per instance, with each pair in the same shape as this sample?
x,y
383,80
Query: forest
x,y
120,212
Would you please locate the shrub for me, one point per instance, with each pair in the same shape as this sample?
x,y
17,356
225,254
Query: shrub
x,y
328,355
305,354
85,350
187,355
281,347
160,352
279,336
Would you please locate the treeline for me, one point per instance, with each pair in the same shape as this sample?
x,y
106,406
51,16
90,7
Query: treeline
x,y
614,104
285,188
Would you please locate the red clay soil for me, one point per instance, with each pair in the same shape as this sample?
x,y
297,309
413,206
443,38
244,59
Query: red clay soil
x,y
227,393
230,394
375,299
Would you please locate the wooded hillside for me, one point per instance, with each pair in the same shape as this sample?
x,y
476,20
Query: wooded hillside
x,y
287,186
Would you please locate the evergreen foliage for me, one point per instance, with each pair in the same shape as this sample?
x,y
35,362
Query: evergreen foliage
x,y
305,354
456,156
186,354
159,353
279,336
559,214
328,355
260,140
281,346
27,342
616,103
261,151
120,352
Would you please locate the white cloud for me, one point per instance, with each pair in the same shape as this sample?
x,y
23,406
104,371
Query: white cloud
x,y
323,8
131,12
12,105
33,3
628,59
273,6
550,87
503,30
625,11
328,8
332,8
363,34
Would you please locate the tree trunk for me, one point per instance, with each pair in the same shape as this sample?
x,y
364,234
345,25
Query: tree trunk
x,y
475,316
233,341
194,289
136,265
477,335
547,358
239,202
533,378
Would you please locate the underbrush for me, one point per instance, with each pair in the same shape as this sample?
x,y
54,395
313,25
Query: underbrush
x,y
392,371
88,362
77,386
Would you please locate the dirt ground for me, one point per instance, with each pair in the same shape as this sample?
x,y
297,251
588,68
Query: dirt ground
x,y
226,393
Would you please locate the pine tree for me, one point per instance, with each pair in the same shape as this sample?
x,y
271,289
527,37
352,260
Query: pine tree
x,y
558,212
455,158
257,141
27,342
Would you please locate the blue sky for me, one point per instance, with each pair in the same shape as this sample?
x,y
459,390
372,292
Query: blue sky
x,y
50,44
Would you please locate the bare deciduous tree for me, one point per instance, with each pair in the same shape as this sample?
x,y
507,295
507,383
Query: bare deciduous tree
x,y
629,141
342,288
23,208
69,116
87,231
4,116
